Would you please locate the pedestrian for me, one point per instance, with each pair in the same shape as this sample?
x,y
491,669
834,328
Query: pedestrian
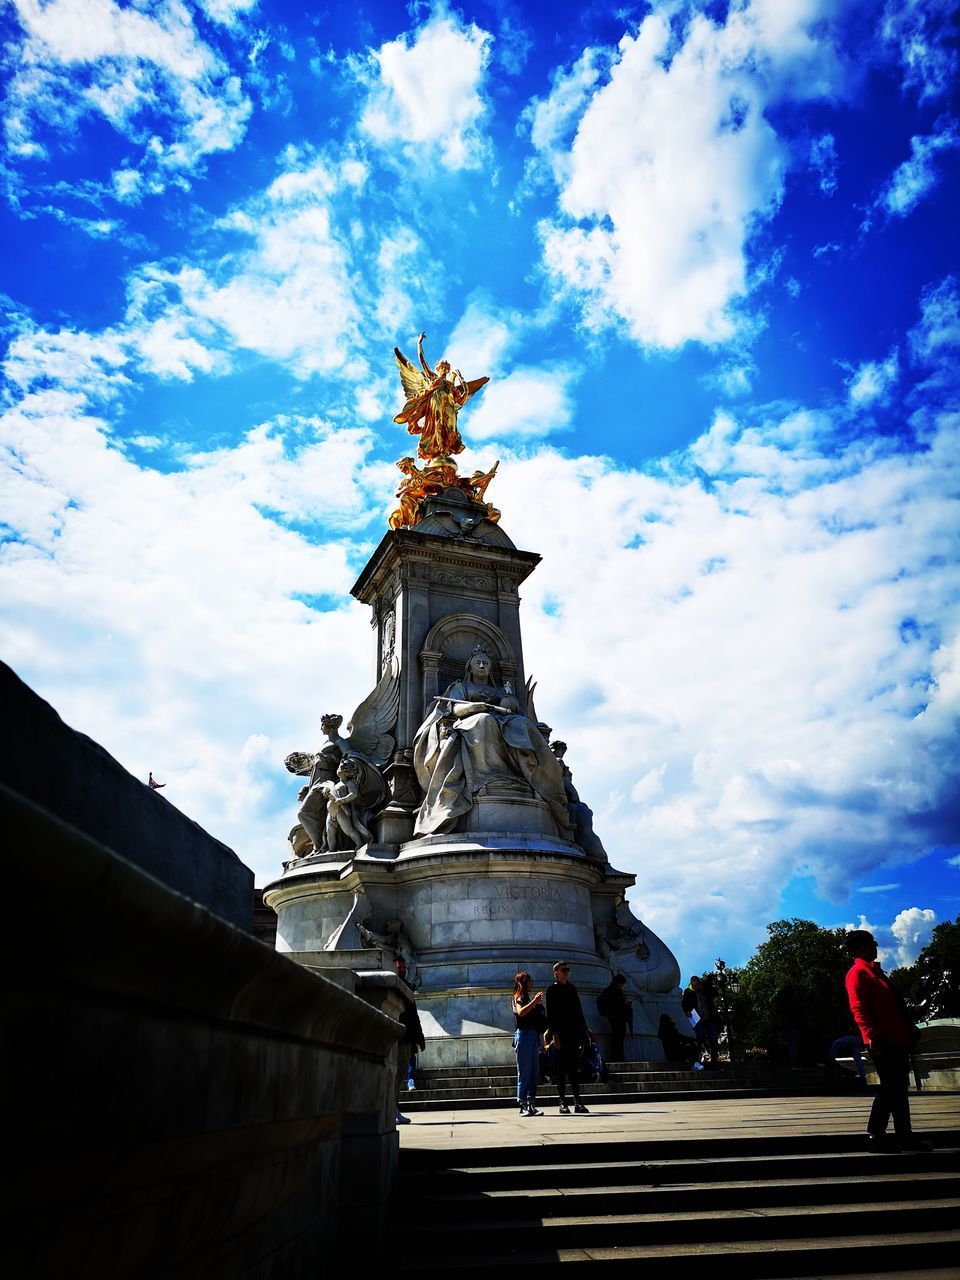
x,y
888,1033
568,1029
412,1038
614,1005
676,1046
531,1022
698,998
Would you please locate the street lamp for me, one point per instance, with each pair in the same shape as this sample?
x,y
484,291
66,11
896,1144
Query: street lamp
x,y
727,986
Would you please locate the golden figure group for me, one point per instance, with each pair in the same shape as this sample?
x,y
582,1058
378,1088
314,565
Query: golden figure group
x,y
434,399
439,474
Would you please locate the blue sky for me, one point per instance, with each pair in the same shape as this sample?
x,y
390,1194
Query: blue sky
x,y
707,255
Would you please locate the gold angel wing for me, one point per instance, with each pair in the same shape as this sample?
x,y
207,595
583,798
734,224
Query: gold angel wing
x,y
474,386
414,382
376,714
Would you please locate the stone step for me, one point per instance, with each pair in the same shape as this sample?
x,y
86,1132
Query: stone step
x,y
694,1225
816,1257
466,1087
774,1207
676,1189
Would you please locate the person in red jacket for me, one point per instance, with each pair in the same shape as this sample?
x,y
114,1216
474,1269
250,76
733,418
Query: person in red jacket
x,y
879,1013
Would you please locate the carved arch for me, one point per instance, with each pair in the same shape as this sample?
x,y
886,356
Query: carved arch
x,y
449,643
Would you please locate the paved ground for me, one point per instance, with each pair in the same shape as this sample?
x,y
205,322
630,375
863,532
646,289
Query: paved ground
x,y
719,1117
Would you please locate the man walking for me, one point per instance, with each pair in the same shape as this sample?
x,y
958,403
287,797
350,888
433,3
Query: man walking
x,y
880,1015
698,998
568,1027
412,1038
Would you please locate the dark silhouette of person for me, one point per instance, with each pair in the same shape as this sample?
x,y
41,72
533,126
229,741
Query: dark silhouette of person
x,y
613,1004
888,1033
568,1029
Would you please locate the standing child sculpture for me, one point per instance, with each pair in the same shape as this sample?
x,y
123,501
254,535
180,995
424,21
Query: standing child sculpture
x,y
342,797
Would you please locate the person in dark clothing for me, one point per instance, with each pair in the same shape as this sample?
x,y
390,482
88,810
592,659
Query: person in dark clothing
x,y
698,998
676,1046
888,1033
412,1038
612,1004
568,1028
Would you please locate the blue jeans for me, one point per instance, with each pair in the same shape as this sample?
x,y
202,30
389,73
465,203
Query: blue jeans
x,y
526,1044
852,1045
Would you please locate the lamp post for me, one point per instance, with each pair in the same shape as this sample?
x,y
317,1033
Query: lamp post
x,y
727,987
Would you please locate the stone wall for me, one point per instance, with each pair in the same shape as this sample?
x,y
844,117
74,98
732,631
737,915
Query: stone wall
x,y
72,776
181,1100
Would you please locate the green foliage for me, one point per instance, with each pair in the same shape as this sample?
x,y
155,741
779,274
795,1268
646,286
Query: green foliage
x,y
938,969
805,957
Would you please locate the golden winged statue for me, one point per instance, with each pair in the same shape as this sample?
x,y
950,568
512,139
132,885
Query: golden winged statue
x,y
434,398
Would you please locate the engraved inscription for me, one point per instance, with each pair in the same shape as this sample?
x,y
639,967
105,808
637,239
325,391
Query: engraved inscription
x,y
547,892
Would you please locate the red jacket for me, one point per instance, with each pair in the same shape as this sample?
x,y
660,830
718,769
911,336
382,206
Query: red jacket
x,y
875,1006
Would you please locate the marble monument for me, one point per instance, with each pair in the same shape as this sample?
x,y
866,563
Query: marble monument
x,y
444,825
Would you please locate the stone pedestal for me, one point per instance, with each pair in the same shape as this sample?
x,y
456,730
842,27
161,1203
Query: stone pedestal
x,y
505,890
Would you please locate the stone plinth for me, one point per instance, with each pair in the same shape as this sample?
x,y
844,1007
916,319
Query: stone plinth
x,y
477,907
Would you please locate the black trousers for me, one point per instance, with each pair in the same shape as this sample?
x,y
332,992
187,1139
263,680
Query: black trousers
x,y
566,1064
892,1062
618,1029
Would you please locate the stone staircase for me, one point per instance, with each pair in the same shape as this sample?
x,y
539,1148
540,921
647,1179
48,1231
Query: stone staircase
x,y
765,1207
460,1088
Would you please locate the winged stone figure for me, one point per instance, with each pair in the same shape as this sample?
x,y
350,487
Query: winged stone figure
x,y
368,744
434,398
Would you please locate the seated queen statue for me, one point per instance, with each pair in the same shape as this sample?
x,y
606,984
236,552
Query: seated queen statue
x,y
475,734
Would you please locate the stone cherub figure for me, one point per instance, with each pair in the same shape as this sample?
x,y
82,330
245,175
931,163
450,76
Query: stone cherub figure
x,y
335,812
343,804
434,398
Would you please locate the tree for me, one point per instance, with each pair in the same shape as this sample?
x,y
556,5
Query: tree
x,y
801,965
938,973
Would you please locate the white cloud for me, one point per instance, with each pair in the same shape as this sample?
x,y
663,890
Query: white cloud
x,y
954,862
733,662
484,336
873,380
917,177
165,614
937,336
427,93
922,33
81,57
528,402
674,163
291,295
823,159
227,11
912,928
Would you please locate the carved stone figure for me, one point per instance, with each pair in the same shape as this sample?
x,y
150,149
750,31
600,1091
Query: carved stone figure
x,y
433,402
581,815
338,804
432,480
475,735
343,827
625,935
395,939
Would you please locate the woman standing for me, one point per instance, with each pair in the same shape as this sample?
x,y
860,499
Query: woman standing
x,y
530,1021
